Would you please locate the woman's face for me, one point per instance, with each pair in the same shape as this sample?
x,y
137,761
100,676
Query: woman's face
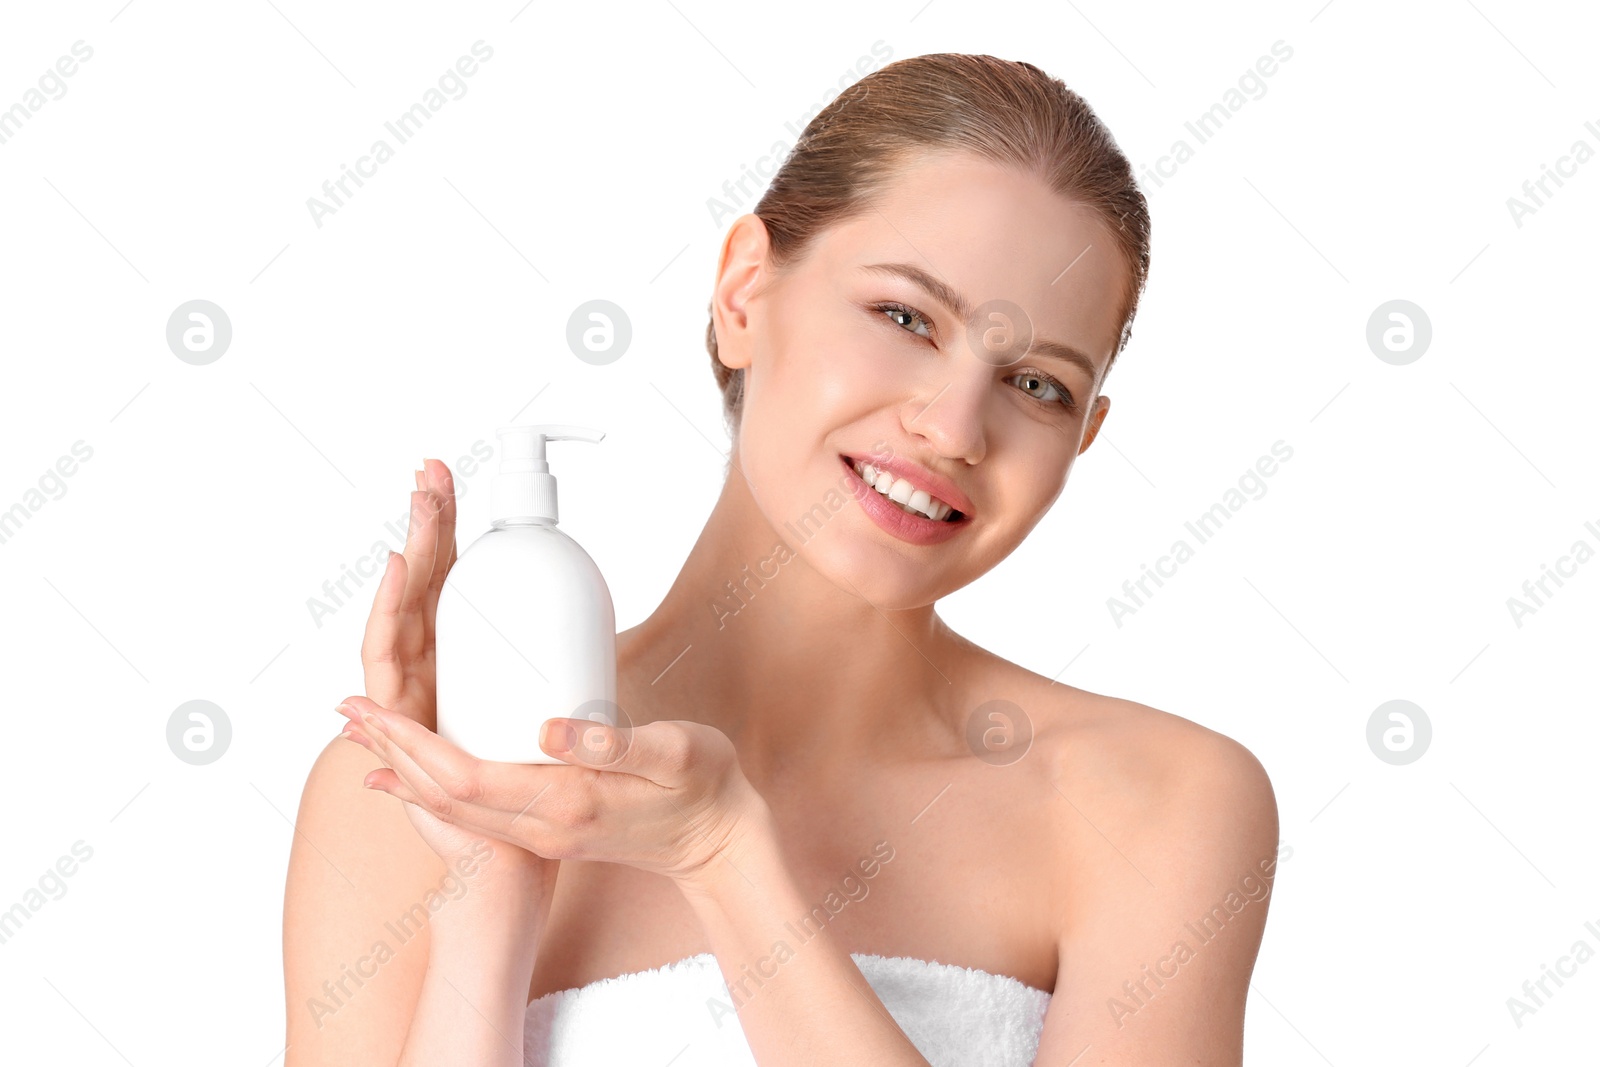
x,y
850,353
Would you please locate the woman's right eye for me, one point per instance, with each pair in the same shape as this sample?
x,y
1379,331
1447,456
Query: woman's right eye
x,y
898,312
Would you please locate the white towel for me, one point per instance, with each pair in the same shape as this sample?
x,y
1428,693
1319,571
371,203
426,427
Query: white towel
x,y
682,1014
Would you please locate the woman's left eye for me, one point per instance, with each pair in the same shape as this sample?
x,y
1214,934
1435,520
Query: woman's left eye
x,y
1044,388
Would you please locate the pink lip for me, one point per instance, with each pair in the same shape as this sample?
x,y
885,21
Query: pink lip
x,y
916,529
934,485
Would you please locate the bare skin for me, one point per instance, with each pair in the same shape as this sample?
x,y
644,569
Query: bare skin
x,y
1073,868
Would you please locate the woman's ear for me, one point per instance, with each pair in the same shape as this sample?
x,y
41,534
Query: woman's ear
x,y
1102,404
740,268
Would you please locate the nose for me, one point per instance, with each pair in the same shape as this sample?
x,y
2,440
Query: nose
x,y
951,418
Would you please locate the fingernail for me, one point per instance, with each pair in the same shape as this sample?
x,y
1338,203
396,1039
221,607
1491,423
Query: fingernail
x,y
346,710
560,735
373,721
419,475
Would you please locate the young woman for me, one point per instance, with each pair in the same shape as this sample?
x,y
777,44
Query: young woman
x,y
834,821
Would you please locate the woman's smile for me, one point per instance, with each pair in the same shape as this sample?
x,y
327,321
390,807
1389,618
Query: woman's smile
x,y
906,489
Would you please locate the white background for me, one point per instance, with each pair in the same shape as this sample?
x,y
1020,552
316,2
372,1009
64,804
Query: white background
x,y
432,308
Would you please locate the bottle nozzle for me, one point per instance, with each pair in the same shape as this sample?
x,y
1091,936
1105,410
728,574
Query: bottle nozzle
x,y
525,489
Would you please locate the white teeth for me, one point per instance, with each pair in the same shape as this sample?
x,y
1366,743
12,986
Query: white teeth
x,y
902,492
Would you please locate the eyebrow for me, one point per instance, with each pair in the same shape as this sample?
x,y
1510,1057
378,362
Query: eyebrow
x,y
963,310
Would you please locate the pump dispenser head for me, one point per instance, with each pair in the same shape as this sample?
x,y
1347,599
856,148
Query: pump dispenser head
x,y
525,490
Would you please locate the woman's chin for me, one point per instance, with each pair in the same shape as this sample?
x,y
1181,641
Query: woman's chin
x,y
880,576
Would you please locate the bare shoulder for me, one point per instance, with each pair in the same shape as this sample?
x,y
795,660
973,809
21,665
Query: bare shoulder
x,y
360,887
1159,847
1192,801
1168,768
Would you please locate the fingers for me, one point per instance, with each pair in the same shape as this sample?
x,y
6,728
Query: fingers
x,y
383,778
437,477
387,781
502,800
578,811
665,752
439,776
422,544
402,609
380,661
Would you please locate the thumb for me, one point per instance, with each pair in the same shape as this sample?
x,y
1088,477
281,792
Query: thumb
x,y
586,743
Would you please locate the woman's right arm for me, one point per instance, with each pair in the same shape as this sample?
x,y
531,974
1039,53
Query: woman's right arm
x,y
364,890
356,918
483,947
483,943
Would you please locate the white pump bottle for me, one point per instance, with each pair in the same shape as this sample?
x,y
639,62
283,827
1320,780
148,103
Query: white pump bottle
x,y
525,630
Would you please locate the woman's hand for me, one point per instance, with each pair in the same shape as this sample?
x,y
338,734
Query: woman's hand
x,y
667,797
493,863
397,649
483,938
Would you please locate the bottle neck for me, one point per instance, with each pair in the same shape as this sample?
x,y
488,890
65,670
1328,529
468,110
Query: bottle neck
x,y
501,524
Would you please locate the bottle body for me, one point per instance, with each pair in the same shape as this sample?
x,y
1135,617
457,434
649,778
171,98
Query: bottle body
x,y
525,632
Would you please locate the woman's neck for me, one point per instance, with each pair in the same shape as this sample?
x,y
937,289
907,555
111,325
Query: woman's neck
x,y
754,641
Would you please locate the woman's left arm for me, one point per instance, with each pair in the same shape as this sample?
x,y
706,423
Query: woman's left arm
x,y
667,797
1164,889
798,1002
